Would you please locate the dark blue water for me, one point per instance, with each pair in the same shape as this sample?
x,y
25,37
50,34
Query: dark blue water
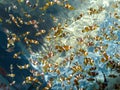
x,y
6,58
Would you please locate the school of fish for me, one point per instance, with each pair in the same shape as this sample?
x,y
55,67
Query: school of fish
x,y
80,53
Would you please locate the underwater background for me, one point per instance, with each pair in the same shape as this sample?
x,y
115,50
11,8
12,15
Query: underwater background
x,y
59,44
